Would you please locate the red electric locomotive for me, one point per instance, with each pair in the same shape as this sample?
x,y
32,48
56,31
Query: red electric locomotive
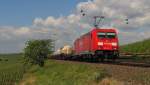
x,y
100,43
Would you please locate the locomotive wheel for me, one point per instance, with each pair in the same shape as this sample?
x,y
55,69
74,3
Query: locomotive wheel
x,y
96,58
102,59
80,59
114,58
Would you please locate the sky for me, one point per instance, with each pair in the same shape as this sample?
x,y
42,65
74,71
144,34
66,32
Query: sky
x,y
61,20
22,12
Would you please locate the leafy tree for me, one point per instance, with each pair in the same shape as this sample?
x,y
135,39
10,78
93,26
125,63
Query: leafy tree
x,y
36,51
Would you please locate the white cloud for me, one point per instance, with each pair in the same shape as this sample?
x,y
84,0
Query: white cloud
x,y
66,29
22,31
144,20
38,21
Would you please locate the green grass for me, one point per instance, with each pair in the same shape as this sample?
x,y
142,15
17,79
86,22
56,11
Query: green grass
x,y
65,73
12,69
137,47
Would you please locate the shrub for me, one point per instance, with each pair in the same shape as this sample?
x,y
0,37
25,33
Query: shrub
x,y
36,51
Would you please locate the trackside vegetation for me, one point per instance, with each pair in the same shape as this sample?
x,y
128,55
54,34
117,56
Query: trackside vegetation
x,y
64,73
137,47
11,68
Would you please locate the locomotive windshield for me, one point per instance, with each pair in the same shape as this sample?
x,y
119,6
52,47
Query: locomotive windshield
x,y
111,35
101,35
106,35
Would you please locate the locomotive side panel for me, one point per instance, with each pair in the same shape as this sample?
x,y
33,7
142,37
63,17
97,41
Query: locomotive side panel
x,y
86,43
76,46
83,44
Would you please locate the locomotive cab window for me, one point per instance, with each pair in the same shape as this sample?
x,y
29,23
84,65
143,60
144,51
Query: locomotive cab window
x,y
111,35
106,35
101,35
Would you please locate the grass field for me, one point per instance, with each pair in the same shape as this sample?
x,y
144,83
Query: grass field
x,y
137,47
11,68
57,72
63,73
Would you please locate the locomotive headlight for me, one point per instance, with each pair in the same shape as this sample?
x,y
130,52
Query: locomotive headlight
x,y
100,43
114,44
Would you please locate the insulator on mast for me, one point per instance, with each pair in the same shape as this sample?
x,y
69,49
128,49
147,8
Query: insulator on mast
x,y
97,22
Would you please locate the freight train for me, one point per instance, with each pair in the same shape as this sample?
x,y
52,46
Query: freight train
x,y
98,44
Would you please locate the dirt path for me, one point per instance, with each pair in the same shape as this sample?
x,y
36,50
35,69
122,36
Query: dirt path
x,y
28,79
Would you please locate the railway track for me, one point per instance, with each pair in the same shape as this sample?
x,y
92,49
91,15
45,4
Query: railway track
x,y
135,54
123,60
127,63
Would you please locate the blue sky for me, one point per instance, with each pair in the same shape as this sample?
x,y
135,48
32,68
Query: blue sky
x,y
22,12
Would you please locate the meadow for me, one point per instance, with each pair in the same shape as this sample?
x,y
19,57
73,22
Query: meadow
x,y
63,73
11,69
